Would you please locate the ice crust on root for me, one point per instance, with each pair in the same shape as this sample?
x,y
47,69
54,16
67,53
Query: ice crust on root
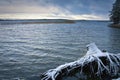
x,y
93,55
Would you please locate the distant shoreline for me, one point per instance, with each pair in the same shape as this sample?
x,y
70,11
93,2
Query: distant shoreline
x,y
42,21
34,21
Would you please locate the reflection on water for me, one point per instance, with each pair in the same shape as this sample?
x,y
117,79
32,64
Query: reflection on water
x,y
115,40
27,50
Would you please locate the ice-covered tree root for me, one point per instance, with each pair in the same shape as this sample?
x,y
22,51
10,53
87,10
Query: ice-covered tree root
x,y
95,64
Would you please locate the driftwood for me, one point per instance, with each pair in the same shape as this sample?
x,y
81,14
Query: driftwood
x,y
95,65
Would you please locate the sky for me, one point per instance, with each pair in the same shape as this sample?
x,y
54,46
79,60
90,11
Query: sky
x,y
56,9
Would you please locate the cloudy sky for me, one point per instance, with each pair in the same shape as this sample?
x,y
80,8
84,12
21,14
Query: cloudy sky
x,y
47,9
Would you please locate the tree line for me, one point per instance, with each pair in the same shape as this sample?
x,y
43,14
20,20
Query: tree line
x,y
115,13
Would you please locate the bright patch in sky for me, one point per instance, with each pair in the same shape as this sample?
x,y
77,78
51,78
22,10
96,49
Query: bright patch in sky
x,y
55,9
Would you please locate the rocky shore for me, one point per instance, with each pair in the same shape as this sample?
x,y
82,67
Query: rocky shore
x,y
115,25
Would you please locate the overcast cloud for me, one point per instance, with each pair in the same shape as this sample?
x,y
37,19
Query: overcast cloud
x,y
70,9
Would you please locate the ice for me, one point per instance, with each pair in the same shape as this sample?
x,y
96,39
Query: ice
x,y
93,55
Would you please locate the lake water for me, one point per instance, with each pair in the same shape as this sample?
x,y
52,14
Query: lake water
x,y
27,50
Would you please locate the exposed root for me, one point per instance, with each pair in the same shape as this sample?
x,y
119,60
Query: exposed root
x,y
94,64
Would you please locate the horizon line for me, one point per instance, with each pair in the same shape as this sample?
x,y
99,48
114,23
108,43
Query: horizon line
x,y
58,19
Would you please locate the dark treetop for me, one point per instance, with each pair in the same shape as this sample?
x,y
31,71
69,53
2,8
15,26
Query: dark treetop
x,y
115,13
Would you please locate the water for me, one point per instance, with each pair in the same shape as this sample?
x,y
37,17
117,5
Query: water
x,y
27,50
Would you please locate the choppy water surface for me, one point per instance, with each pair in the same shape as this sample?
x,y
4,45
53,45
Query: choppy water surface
x,y
27,50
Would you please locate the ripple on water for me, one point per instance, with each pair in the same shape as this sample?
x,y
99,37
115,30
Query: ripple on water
x,y
27,50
